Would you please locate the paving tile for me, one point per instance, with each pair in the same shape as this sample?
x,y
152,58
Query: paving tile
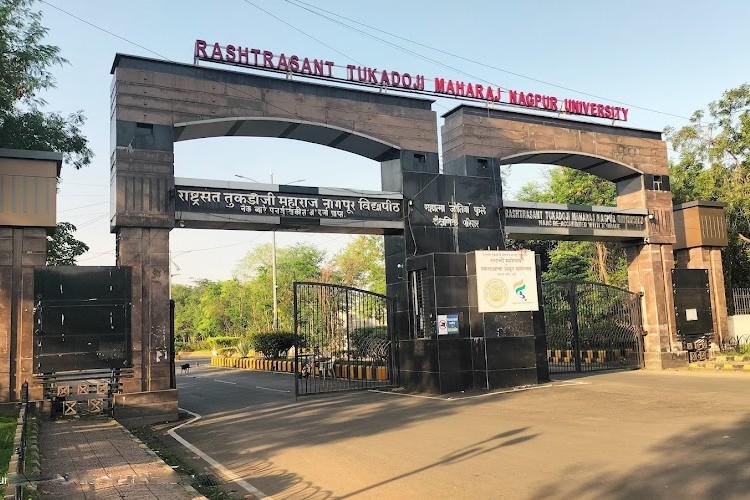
x,y
87,459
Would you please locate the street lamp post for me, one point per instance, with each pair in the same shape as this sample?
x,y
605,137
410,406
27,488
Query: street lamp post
x,y
273,259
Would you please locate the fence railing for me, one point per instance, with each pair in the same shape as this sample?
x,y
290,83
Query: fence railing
x,y
741,299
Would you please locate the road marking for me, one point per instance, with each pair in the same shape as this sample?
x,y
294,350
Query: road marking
x,y
225,382
216,465
507,391
269,389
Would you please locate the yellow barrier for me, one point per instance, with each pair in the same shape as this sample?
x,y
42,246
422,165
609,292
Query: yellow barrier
x,y
341,370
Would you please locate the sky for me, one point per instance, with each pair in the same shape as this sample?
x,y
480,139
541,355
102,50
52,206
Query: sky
x,y
664,59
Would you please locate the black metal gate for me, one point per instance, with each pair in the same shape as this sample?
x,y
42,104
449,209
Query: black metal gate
x,y
692,308
82,346
591,326
343,339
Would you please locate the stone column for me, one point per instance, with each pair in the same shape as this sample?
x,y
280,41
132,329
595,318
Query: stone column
x,y
650,268
28,181
701,232
142,185
649,273
21,250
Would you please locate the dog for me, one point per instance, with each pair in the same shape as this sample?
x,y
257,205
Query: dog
x,y
185,368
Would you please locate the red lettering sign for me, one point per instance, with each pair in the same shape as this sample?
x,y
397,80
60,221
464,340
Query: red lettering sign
x,y
385,78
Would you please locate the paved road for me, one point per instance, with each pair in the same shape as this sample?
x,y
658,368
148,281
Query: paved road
x,y
615,435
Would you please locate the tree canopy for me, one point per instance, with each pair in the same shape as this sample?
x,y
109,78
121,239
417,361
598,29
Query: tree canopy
x,y
25,64
711,163
62,247
243,305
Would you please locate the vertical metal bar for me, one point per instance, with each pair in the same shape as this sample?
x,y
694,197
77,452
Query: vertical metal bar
x,y
348,341
573,301
297,343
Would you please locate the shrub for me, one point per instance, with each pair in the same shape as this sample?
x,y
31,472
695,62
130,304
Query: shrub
x,y
243,347
273,344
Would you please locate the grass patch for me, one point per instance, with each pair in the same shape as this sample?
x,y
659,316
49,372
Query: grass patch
x,y
175,455
742,350
7,433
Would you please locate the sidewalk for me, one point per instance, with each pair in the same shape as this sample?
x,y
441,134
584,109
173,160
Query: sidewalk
x,y
98,458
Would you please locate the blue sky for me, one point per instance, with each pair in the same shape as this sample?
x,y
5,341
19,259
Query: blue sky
x,y
672,57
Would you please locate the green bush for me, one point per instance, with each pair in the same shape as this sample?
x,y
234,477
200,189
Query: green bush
x,y
221,341
243,347
273,344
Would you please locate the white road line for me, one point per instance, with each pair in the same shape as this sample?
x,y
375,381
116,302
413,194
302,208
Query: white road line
x,y
486,394
216,465
225,382
269,389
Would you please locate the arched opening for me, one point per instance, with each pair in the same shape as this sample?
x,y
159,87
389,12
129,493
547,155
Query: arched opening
x,y
300,130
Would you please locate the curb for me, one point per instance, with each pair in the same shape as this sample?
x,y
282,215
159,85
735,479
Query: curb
x,y
720,366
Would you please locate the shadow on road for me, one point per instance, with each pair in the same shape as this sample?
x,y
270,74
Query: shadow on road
x,y
707,463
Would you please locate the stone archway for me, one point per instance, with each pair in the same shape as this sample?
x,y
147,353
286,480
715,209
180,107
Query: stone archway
x,y
156,103
635,160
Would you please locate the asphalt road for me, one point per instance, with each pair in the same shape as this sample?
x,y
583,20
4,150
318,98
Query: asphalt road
x,y
633,434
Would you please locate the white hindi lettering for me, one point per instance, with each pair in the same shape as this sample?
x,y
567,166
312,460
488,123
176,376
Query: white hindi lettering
x,y
459,208
434,207
444,221
479,210
471,223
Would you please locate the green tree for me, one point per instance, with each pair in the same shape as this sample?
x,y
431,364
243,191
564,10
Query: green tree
x,y
712,164
25,63
63,247
360,264
300,262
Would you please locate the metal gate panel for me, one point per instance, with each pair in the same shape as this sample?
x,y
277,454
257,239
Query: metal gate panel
x,y
342,339
693,314
591,326
81,318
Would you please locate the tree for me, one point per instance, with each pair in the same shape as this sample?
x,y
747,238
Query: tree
x,y
63,247
712,164
25,64
297,263
360,264
24,73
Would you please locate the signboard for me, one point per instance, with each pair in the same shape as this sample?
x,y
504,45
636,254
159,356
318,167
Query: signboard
x,y
540,220
442,324
291,64
297,202
447,324
506,281
453,324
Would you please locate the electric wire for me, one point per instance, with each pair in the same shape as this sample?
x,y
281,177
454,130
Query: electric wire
x,y
300,3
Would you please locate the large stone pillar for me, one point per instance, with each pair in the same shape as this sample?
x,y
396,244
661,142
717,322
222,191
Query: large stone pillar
x,y
650,267
28,183
701,232
142,186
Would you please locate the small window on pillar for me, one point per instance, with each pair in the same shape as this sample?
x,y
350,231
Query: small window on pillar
x,y
483,162
420,160
419,321
144,129
657,183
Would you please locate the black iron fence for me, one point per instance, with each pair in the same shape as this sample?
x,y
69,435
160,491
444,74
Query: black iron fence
x,y
343,340
591,326
741,300
738,343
